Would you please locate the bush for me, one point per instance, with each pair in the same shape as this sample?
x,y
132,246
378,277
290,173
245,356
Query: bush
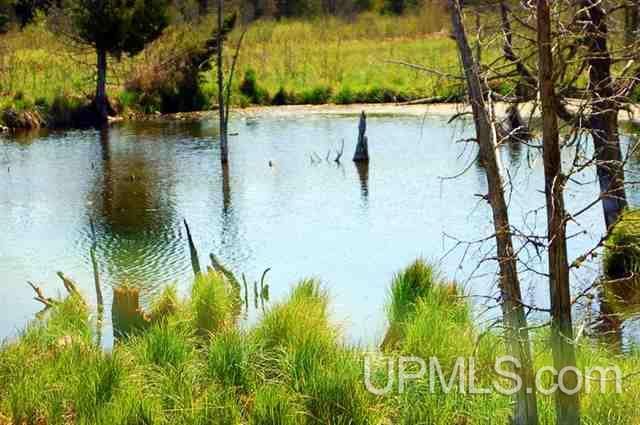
x,y
621,265
4,23
175,85
316,96
345,96
282,97
622,248
250,88
129,99
65,110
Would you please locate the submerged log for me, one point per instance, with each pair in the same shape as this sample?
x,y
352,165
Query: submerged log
x,y
362,148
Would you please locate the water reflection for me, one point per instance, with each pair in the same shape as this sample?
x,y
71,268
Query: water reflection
x,y
363,176
514,150
226,190
131,206
608,325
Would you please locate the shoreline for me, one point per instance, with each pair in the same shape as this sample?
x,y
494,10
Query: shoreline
x,y
439,109
630,115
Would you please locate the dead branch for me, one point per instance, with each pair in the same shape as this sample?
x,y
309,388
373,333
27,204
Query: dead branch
x,y
40,297
339,153
195,261
69,284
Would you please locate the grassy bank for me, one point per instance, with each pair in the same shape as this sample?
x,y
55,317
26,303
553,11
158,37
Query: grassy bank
x,y
190,363
321,60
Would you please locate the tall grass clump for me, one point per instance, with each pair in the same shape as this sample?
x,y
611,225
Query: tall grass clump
x,y
275,404
597,407
212,303
429,318
333,391
302,349
441,327
408,287
231,358
287,325
296,334
163,346
55,370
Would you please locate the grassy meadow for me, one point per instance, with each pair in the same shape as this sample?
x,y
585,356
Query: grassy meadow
x,y
190,362
319,60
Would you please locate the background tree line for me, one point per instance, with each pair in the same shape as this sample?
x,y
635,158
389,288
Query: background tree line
x,y
22,12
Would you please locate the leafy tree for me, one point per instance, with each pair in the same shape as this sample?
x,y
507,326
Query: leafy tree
x,y
398,7
26,10
4,21
5,6
115,27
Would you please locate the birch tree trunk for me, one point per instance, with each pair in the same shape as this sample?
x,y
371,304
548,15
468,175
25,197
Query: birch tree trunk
x,y
517,336
224,148
567,406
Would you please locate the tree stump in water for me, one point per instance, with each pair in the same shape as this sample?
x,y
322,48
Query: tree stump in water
x,y
362,148
127,315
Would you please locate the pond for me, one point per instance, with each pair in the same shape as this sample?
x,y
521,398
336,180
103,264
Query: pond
x,y
282,206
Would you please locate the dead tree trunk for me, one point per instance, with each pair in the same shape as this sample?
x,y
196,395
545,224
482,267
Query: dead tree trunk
x,y
101,102
567,406
224,147
517,336
126,314
362,148
631,21
604,114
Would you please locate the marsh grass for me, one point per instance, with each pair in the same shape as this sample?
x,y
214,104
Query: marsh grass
x,y
196,366
212,303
